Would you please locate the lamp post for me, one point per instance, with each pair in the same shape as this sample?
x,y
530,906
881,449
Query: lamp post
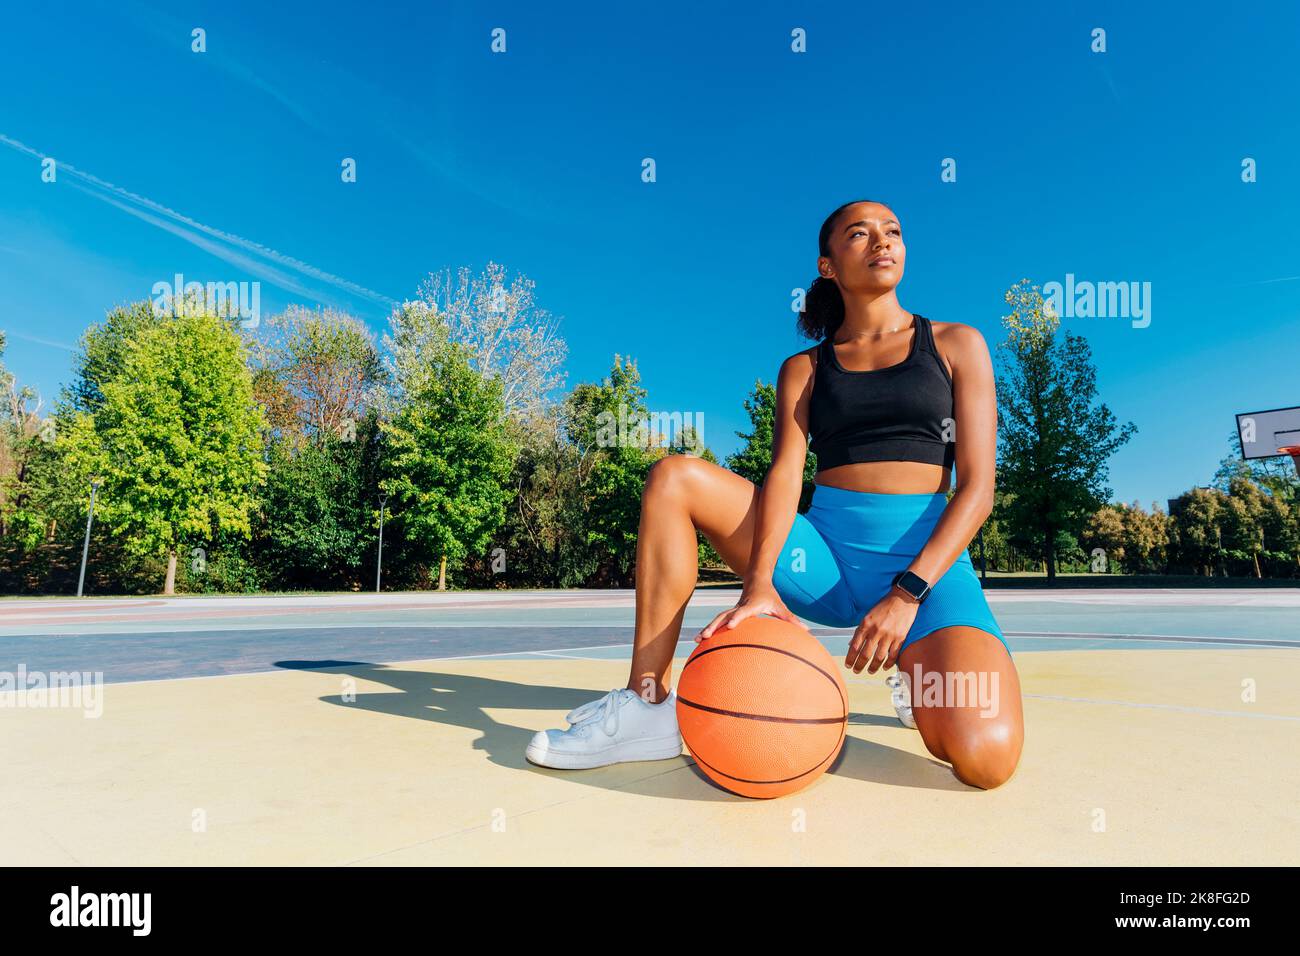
x,y
379,558
85,545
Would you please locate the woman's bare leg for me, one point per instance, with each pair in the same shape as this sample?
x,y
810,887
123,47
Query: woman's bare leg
x,y
981,738
683,494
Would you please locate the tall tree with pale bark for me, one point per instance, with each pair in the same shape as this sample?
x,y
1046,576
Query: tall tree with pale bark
x,y
508,334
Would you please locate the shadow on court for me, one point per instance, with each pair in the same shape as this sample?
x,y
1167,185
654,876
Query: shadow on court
x,y
461,700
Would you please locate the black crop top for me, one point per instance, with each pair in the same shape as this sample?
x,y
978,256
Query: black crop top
x,y
901,412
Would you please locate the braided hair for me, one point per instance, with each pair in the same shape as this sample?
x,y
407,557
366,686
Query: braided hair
x,y
823,305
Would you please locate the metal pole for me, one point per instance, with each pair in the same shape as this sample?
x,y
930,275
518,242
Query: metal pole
x,y
983,563
379,558
85,545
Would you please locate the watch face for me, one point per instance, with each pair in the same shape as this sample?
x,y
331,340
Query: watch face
x,y
913,584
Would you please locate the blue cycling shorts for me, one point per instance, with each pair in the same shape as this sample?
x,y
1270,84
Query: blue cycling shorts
x,y
841,558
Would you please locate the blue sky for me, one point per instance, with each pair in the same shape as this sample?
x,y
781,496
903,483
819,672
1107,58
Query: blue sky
x,y
1115,167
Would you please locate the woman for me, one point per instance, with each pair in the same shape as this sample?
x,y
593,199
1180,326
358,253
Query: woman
x,y
880,549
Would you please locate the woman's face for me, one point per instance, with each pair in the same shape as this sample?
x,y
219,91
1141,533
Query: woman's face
x,y
867,251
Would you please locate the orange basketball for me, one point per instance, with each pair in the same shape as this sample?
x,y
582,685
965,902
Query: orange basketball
x,y
762,707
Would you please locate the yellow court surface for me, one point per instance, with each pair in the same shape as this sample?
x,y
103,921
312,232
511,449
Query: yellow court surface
x,y
1136,751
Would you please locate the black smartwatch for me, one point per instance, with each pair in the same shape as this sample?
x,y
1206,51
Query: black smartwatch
x,y
912,585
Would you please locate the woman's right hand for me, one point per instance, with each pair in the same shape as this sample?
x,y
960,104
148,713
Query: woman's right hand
x,y
755,599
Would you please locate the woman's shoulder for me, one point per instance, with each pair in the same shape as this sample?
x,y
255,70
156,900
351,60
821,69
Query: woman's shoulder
x,y
959,344
798,367
957,338
805,358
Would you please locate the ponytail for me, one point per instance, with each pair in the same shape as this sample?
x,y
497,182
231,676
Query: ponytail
x,y
823,305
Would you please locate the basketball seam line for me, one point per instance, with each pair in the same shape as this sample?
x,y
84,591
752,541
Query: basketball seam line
x,y
830,677
779,720
831,755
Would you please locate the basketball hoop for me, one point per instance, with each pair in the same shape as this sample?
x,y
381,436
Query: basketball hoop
x,y
1294,452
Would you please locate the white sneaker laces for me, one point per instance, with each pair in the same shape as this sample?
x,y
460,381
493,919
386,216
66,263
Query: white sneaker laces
x,y
901,698
604,708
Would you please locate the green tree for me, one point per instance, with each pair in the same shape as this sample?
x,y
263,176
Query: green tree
x,y
1105,530
578,481
316,371
43,507
607,423
754,458
1196,536
447,452
50,505
992,546
1054,436
509,336
1134,540
173,433
103,348
544,539
1275,475
316,510
22,437
1147,537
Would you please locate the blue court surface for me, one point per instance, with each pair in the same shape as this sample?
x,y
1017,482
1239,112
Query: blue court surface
x,y
156,639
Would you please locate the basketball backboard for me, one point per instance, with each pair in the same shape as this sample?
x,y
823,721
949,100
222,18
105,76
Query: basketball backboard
x,y
1263,434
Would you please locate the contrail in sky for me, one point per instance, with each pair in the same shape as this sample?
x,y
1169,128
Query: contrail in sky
x,y
135,205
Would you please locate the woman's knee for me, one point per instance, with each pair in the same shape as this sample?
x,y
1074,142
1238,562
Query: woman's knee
x,y
984,757
673,474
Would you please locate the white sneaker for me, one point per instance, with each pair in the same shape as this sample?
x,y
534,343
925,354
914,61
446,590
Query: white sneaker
x,y
901,698
618,727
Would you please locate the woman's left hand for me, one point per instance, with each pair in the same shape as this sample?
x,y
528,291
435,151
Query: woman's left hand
x,y
882,632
